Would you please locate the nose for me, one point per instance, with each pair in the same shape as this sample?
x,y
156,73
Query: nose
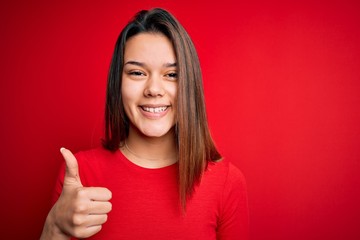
x,y
154,87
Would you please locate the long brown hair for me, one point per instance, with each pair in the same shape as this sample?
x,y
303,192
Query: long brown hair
x,y
194,143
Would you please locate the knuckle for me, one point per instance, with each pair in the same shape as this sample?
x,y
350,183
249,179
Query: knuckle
x,y
80,207
81,192
77,220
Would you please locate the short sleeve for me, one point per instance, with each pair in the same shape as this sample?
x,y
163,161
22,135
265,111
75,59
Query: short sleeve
x,y
234,216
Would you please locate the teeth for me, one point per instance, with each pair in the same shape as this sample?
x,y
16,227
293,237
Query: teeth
x,y
155,110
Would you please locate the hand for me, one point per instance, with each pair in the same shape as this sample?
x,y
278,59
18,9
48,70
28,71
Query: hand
x,y
80,211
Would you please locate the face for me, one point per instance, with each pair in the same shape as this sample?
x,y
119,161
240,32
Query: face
x,y
149,84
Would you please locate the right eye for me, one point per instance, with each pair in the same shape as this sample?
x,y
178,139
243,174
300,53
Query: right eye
x,y
136,73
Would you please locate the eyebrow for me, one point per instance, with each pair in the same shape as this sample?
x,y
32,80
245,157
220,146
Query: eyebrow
x,y
140,64
135,63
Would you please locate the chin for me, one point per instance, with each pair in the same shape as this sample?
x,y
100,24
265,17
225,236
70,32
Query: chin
x,y
156,133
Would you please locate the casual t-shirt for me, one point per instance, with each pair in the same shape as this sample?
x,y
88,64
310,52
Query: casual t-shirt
x,y
145,202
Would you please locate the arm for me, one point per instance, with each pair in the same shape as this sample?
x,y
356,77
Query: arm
x,y
79,211
234,217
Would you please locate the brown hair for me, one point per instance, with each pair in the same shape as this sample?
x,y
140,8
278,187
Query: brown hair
x,y
194,143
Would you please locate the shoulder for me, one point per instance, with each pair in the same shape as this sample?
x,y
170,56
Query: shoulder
x,y
96,157
230,179
224,180
226,171
96,164
233,214
235,176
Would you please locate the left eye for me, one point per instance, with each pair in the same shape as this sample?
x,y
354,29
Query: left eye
x,y
172,75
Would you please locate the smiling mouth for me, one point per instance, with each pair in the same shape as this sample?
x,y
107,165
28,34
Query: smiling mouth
x,y
154,109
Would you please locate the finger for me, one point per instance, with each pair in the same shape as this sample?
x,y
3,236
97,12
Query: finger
x,y
72,168
96,219
85,232
92,230
97,207
89,220
99,193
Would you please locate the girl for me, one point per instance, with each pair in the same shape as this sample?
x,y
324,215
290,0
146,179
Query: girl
x,y
158,164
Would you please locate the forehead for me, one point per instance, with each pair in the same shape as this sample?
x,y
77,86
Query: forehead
x,y
149,48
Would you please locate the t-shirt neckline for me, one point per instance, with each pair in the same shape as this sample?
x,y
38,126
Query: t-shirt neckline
x,y
138,167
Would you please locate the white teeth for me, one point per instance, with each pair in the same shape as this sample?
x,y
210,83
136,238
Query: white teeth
x,y
154,110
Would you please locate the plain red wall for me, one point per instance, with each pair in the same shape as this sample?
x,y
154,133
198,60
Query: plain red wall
x,y
282,86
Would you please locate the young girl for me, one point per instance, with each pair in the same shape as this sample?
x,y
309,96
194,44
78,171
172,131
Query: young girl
x,y
158,174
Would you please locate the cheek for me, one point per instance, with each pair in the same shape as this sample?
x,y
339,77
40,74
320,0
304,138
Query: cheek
x,y
129,92
127,98
173,91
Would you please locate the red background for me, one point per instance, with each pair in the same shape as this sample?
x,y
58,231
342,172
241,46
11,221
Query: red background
x,y
282,84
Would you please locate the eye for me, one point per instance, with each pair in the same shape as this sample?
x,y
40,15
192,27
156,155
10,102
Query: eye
x,y
136,73
172,75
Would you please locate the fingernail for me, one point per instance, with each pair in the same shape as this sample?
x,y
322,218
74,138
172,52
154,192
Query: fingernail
x,y
62,149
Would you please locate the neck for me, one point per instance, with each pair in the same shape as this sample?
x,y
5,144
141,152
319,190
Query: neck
x,y
150,152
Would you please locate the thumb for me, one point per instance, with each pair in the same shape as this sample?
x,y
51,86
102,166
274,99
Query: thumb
x,y
72,168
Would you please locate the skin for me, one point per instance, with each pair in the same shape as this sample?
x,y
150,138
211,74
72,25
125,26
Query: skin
x,y
149,91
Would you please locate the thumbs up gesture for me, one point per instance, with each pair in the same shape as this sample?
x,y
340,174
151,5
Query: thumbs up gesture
x,y
80,211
